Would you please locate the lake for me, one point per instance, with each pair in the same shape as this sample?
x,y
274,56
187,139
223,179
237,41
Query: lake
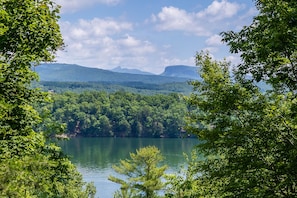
x,y
94,157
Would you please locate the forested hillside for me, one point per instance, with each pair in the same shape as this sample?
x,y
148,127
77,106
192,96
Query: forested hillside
x,y
119,114
133,87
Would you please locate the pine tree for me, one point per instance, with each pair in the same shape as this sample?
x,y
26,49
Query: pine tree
x,y
143,175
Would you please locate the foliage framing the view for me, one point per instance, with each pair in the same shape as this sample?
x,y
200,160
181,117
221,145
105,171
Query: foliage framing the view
x,y
249,137
268,45
29,34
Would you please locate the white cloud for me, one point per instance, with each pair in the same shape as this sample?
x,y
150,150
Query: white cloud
x,y
110,42
177,61
211,50
133,46
103,43
101,27
219,10
92,28
171,18
234,59
129,41
74,5
174,18
214,40
201,23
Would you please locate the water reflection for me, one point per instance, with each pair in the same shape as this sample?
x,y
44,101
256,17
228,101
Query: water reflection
x,y
94,157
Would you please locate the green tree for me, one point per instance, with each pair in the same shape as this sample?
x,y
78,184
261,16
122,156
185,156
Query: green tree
x,y
105,126
30,167
186,182
144,176
120,114
268,45
248,137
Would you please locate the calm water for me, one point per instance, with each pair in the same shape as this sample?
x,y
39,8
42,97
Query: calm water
x,y
94,157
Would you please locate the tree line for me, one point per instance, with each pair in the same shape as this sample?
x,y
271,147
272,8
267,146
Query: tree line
x,y
110,87
119,114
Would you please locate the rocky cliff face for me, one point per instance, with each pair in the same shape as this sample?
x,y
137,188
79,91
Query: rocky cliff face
x,y
182,71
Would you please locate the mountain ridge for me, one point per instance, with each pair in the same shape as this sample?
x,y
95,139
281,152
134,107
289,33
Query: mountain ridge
x,y
182,71
120,69
61,72
75,77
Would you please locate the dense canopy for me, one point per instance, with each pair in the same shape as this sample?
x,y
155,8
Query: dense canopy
x,y
30,167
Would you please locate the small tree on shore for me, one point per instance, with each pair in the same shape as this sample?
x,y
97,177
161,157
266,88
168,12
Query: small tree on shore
x,y
144,176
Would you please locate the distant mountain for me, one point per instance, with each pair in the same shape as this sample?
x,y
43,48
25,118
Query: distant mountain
x,y
75,73
74,77
130,71
181,71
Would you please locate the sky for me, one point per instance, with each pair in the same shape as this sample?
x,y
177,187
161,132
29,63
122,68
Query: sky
x,y
148,35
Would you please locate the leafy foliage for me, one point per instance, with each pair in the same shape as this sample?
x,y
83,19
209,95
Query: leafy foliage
x,y
248,138
185,183
111,87
268,45
144,177
119,114
29,33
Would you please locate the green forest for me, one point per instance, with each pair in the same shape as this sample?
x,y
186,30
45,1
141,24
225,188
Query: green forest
x,y
110,87
248,138
118,114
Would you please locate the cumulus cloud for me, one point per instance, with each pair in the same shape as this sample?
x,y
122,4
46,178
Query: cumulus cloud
x,y
174,18
101,27
177,61
234,59
214,40
74,5
211,50
201,23
109,42
132,46
219,10
102,43
171,18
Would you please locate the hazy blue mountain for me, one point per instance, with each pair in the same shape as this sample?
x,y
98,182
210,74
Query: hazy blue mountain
x,y
75,73
120,69
77,78
181,71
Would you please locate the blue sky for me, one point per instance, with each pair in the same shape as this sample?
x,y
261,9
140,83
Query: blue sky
x,y
148,35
